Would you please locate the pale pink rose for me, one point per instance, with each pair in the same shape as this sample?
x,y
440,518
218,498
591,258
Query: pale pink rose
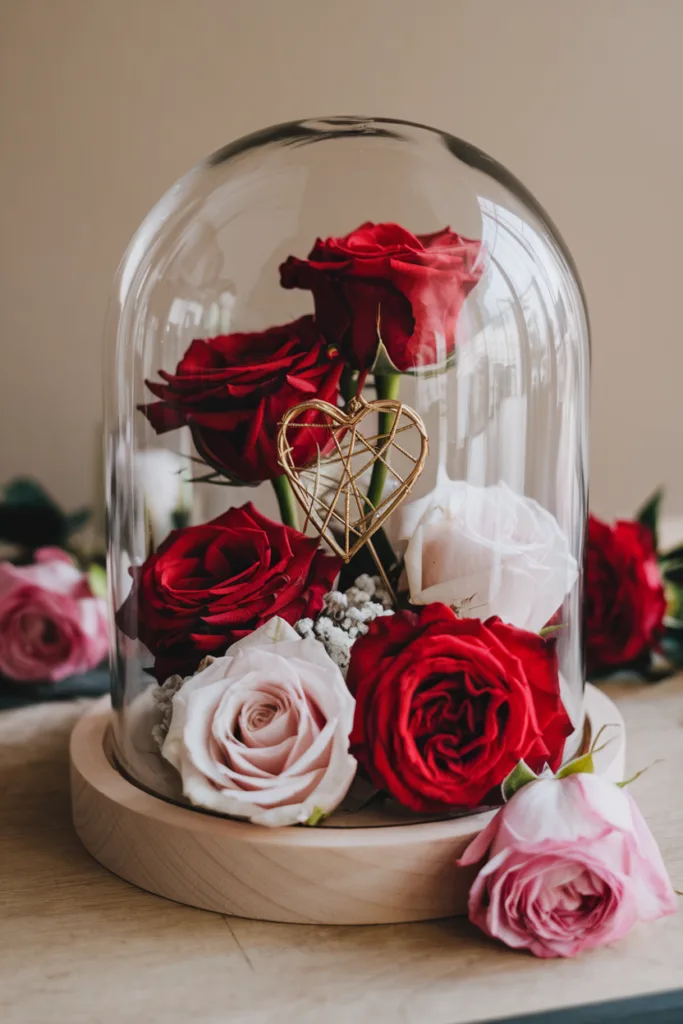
x,y
51,625
571,865
263,732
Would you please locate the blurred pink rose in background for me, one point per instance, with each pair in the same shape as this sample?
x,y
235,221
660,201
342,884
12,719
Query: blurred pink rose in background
x,y
571,865
51,624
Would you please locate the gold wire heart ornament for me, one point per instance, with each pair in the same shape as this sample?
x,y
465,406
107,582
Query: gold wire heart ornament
x,y
329,489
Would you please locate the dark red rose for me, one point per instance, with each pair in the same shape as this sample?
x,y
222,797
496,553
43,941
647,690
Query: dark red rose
x,y
233,390
382,281
207,586
624,602
447,707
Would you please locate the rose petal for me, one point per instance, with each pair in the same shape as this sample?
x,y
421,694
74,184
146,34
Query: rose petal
x,y
278,773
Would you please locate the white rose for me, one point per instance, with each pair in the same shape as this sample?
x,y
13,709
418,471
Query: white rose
x,y
263,732
487,551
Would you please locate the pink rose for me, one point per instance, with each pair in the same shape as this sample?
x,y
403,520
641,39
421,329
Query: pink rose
x,y
263,732
571,865
51,624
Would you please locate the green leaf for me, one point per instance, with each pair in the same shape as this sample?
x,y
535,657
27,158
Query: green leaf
x,y
551,630
583,765
518,777
673,573
595,749
97,578
75,521
29,517
648,515
383,364
673,594
316,818
180,517
627,782
674,555
672,645
25,491
348,385
32,519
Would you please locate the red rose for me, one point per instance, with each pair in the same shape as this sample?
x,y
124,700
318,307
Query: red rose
x,y
383,280
207,586
624,598
233,390
446,707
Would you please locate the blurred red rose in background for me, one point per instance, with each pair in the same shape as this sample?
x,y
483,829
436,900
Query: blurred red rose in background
x,y
624,603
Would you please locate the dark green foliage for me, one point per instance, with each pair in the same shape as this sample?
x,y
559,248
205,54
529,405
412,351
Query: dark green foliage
x,y
30,518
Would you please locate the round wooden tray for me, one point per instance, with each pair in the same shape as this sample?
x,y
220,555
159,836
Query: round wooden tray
x,y
378,873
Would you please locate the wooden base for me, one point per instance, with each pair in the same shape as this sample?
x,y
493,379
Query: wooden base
x,y
338,875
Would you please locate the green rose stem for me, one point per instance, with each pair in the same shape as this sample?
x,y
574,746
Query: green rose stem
x,y
387,386
348,384
286,501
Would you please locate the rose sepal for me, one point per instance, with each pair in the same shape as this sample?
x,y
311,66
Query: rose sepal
x,y
648,515
520,776
384,365
584,764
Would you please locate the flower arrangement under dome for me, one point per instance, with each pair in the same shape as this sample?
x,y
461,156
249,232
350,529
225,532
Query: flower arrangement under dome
x,y
405,634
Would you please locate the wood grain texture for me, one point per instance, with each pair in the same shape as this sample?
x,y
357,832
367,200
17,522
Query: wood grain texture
x,y
379,874
80,946
340,876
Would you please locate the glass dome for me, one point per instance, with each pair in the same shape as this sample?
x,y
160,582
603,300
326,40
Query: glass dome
x,y
347,394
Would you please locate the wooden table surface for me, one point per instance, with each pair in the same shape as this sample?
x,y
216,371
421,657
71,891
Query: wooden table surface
x,y
80,946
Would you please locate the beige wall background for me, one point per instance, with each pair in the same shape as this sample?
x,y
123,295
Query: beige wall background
x,y
104,103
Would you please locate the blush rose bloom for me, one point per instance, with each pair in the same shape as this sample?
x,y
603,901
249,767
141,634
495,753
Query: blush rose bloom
x,y
263,732
51,624
487,551
571,865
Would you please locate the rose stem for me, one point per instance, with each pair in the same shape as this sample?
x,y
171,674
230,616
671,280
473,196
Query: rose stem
x,y
348,385
387,386
382,571
286,500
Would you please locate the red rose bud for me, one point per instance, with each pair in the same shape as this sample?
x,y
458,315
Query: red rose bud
x,y
447,707
624,603
207,586
233,390
381,281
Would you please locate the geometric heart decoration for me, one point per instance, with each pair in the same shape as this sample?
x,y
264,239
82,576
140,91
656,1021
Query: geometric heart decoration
x,y
332,489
